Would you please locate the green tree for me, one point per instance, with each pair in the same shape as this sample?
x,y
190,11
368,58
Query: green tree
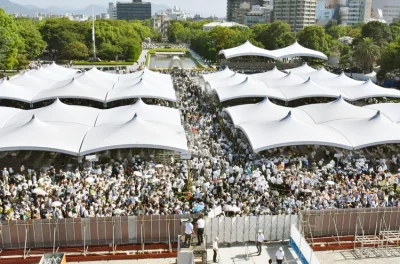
x,y
75,51
366,54
9,41
390,60
277,35
314,37
32,42
337,31
378,31
108,51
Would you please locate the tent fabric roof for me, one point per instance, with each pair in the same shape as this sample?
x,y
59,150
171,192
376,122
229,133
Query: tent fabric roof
x,y
263,111
303,69
142,88
337,110
100,75
290,131
25,79
247,49
296,50
43,136
147,112
56,69
269,75
10,91
306,90
43,73
235,78
319,75
57,112
339,81
288,80
74,89
375,130
7,113
366,90
225,73
391,110
248,88
135,133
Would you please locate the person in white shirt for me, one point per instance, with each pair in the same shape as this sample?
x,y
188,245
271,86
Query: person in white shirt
x,y
188,232
280,256
200,230
215,249
260,240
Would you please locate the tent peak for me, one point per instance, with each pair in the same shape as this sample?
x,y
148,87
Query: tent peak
x,y
288,116
265,100
376,116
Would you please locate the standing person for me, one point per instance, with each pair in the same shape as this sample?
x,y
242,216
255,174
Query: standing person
x,y
260,240
188,232
280,256
215,249
200,230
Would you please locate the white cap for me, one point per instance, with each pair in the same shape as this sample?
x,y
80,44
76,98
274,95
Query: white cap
x,y
216,238
259,231
280,248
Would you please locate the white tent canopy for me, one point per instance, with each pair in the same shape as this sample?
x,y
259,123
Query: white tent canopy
x,y
263,111
73,90
146,112
58,112
290,131
269,75
225,73
303,69
100,75
42,73
318,75
307,90
367,90
296,50
248,89
135,133
25,79
56,69
368,132
337,110
7,113
142,89
87,79
288,80
10,91
43,136
391,110
339,81
235,78
247,49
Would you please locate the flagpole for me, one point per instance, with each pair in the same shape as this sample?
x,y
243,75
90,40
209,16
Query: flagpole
x,y
93,35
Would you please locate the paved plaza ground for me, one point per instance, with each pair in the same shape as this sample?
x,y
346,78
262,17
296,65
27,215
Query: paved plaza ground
x,y
348,256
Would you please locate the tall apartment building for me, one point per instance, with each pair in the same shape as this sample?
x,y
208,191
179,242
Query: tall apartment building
x,y
359,12
390,9
239,14
230,6
135,10
112,10
297,13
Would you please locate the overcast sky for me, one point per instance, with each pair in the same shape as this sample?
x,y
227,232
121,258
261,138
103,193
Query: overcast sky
x,y
204,7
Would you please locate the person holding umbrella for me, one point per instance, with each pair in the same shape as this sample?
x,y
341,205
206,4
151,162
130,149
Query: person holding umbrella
x,y
260,240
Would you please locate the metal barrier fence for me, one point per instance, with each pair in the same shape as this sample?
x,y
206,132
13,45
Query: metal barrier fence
x,y
244,229
76,232
342,222
302,248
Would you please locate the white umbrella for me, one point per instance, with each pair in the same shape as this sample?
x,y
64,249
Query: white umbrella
x,y
159,166
148,176
89,180
330,183
137,173
117,211
37,190
56,204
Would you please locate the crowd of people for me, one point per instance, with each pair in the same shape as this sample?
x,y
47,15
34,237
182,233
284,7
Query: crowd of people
x,y
222,173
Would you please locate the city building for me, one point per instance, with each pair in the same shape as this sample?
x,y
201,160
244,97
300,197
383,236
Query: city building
x,y
112,10
231,5
176,13
390,9
359,12
258,14
135,10
239,14
161,22
210,26
297,13
326,11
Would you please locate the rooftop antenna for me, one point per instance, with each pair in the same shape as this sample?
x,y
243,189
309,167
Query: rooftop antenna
x,y
93,35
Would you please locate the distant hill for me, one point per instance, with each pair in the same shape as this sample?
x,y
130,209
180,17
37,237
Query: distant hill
x,y
13,8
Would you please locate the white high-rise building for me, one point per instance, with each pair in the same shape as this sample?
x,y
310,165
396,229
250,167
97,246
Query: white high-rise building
x,y
112,11
359,12
390,9
297,13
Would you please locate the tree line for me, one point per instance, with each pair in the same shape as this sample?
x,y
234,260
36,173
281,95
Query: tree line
x,y
24,39
362,45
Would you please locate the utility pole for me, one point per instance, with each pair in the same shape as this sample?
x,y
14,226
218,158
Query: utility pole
x,y
93,35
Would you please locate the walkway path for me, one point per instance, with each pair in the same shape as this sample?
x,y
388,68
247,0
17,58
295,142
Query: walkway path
x,y
141,60
198,57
